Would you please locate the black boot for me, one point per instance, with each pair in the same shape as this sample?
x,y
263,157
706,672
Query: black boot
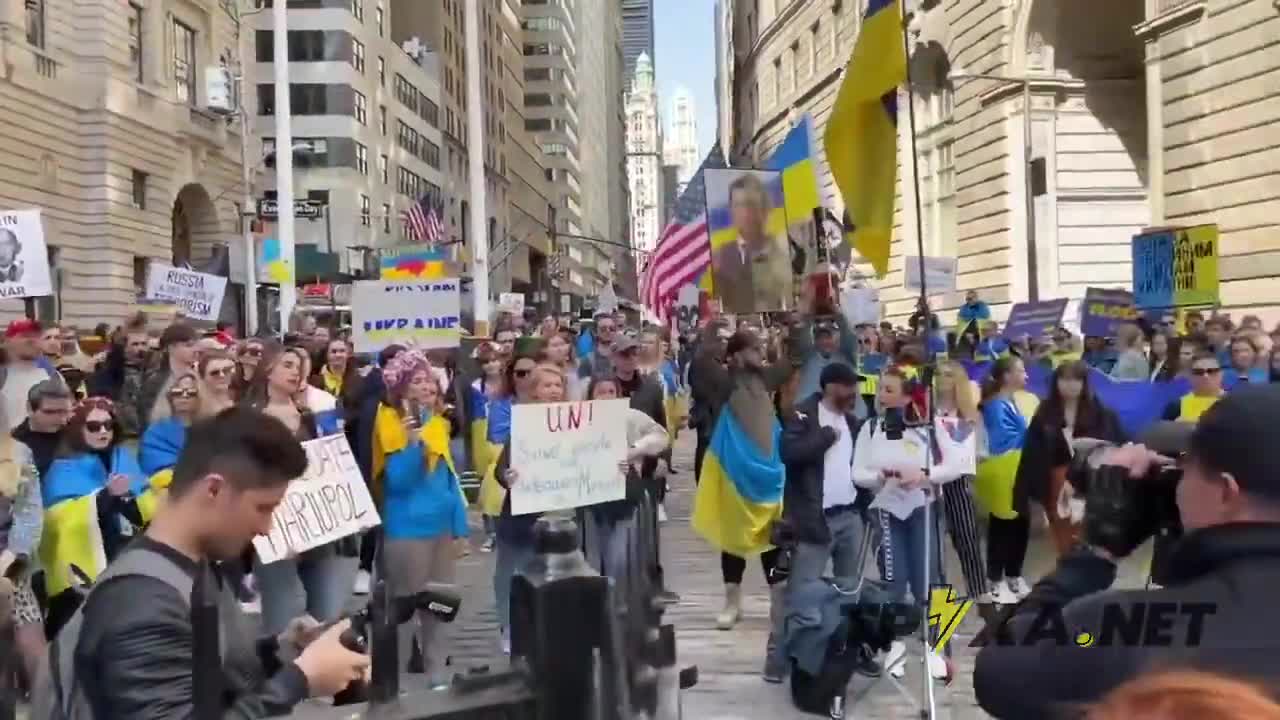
x,y
417,665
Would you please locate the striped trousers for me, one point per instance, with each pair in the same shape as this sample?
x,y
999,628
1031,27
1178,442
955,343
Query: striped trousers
x,y
962,526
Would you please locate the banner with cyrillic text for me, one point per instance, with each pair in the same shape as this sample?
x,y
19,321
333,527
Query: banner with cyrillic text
x,y
329,502
425,314
566,455
198,295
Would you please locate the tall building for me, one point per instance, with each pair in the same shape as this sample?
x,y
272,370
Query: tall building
x,y
1142,114
365,116
670,192
682,145
637,33
105,129
644,160
517,242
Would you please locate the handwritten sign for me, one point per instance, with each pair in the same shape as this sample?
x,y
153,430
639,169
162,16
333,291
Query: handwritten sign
x,y
197,294
688,307
939,274
1035,319
1176,267
567,454
511,303
861,305
424,313
24,261
1104,310
329,502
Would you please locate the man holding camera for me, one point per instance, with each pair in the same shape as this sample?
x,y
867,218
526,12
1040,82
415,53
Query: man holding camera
x,y
1072,640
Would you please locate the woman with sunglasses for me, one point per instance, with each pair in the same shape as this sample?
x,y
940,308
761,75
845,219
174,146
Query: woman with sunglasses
x,y
488,387
92,505
217,372
423,511
248,357
167,434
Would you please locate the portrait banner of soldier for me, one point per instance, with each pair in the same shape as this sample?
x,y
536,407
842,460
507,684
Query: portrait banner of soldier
x,y
24,261
751,261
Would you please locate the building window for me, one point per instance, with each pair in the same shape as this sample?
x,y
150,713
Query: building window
x,y
382,119
139,189
362,159
814,32
365,211
382,71
386,209
379,16
184,63
777,80
382,168
35,23
357,9
357,55
360,107
135,41
795,66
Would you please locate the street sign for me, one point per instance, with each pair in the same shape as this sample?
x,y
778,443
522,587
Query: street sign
x,y
269,209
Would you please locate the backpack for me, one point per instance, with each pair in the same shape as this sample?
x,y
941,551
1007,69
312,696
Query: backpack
x,y
57,694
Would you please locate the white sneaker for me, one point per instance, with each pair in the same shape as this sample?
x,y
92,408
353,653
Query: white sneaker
x,y
505,638
362,583
662,513
1019,587
1001,594
937,665
894,661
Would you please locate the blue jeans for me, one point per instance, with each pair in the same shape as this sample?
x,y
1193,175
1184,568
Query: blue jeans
x,y
318,582
510,558
902,555
607,544
809,561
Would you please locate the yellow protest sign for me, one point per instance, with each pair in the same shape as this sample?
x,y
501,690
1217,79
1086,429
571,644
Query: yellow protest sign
x,y
1195,266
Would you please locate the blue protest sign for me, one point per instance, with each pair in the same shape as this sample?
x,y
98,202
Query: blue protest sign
x,y
1104,310
1153,269
1036,319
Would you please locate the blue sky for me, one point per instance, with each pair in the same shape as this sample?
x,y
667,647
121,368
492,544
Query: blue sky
x,y
685,46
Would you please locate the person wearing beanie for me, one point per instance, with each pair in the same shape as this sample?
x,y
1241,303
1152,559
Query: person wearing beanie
x,y
1214,607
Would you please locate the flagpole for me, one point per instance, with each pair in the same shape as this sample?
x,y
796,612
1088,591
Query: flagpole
x,y
475,168
930,699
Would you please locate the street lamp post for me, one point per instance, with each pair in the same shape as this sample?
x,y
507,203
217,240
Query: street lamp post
x,y
1033,264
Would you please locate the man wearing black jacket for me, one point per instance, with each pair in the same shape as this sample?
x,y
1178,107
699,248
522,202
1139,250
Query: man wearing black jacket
x,y
1073,640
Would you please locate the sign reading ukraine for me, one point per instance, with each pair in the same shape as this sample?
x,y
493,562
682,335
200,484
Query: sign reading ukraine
x,y
1176,267
425,314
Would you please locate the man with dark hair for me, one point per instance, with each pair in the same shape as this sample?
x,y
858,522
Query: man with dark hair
x,y
128,652
597,362
50,403
178,354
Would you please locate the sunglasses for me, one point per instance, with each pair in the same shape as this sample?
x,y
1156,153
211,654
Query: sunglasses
x,y
187,393
1205,371
218,372
97,426
251,352
522,373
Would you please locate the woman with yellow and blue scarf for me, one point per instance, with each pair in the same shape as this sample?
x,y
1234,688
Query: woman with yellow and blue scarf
x,y
95,499
423,511
485,389
1008,531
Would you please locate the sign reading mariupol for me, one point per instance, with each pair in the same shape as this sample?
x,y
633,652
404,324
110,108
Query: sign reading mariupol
x,y
567,454
329,502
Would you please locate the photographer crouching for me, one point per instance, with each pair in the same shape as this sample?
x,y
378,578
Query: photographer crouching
x,y
1072,640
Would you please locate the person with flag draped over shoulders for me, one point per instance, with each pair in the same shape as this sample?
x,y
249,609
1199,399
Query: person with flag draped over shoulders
x,y
1206,390
739,494
990,346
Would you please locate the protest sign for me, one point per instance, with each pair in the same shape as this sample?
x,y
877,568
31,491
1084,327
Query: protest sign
x,y
939,274
329,502
688,307
24,261
1104,310
861,306
1036,319
198,295
511,303
425,314
608,299
1176,267
567,454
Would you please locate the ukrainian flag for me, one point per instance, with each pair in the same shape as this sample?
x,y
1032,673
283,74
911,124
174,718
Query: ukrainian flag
x,y
861,139
794,158
417,262
739,494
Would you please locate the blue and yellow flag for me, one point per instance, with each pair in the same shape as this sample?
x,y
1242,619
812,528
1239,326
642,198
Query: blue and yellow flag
x,y
739,492
861,139
794,157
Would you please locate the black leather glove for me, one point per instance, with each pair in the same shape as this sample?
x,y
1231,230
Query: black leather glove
x,y
1115,519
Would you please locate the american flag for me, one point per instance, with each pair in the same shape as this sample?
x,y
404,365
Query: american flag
x,y
684,250
423,221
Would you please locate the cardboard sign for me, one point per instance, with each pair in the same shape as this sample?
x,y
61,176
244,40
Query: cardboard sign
x,y
511,303
329,502
426,314
861,306
688,308
939,274
24,261
567,454
1104,310
1176,268
1035,319
198,295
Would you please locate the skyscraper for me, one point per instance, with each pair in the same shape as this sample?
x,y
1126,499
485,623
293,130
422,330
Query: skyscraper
x,y
682,148
637,33
644,159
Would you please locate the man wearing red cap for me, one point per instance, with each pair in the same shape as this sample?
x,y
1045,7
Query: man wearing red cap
x,y
24,366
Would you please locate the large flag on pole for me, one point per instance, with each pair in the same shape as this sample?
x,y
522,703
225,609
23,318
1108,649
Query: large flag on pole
x,y
861,139
683,252
795,157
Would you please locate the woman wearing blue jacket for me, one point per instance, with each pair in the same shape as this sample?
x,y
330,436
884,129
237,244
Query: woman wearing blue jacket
x,y
1008,531
423,511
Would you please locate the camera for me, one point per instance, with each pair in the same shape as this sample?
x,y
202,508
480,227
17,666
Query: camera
x,y
1122,512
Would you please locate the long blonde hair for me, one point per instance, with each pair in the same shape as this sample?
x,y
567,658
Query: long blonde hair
x,y
964,396
11,470
163,409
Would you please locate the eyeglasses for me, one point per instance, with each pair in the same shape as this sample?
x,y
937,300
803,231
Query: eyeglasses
x,y
1205,371
97,426
186,393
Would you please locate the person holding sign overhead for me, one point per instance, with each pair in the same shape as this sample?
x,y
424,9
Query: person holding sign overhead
x,y
423,513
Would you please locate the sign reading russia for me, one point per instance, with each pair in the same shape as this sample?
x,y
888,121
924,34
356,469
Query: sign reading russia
x,y
426,314
1176,267
197,294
